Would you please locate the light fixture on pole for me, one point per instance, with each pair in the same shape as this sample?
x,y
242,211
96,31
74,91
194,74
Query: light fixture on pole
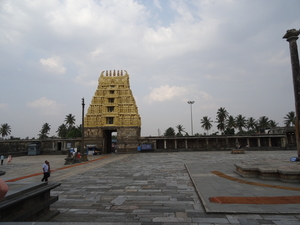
x,y
191,103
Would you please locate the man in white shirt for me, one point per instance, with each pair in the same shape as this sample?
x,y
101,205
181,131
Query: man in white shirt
x,y
46,171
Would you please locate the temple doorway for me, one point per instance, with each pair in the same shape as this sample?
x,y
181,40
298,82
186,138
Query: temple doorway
x,y
108,139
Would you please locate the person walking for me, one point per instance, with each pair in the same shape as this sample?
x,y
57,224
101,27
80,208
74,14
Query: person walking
x,y
2,159
46,171
9,159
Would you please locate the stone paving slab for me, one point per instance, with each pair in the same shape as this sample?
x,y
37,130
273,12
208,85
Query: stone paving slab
x,y
150,189
210,185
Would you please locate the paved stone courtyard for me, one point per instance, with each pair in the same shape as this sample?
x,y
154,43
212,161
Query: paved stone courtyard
x,y
155,189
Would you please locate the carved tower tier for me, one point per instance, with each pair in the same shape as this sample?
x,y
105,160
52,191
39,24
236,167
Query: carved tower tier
x,y
113,109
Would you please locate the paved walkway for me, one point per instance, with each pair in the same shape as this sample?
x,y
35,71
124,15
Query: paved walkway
x,y
158,189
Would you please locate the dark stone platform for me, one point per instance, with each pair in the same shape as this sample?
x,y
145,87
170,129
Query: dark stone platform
x,y
28,202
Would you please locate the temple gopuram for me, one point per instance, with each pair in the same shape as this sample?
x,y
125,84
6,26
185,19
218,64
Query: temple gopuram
x,y
113,109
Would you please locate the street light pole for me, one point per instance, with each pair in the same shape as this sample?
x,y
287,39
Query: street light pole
x,y
82,126
191,103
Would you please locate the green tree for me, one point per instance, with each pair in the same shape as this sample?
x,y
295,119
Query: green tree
x,y
180,130
62,131
206,123
240,122
44,131
263,123
75,132
230,123
5,130
273,124
290,119
222,114
70,121
221,126
251,123
229,131
170,132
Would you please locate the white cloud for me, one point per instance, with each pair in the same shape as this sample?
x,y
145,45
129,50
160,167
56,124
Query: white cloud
x,y
213,52
54,64
96,52
165,93
45,106
101,17
83,80
157,4
181,37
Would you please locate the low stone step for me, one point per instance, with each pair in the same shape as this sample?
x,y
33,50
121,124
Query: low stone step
x,y
27,202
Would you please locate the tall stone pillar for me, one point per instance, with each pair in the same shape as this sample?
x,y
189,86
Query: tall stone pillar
x,y
291,36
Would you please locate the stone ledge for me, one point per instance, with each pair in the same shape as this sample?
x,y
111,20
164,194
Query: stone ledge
x,y
262,172
27,203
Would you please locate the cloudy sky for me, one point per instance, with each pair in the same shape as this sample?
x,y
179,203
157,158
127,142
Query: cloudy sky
x,y
218,53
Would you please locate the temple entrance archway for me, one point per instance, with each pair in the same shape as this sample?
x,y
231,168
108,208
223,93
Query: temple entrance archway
x,y
107,141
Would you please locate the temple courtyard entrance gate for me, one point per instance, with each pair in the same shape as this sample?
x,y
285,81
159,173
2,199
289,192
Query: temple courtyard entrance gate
x,y
113,109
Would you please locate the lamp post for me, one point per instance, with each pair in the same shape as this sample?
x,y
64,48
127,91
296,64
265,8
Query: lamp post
x,y
191,103
291,36
82,126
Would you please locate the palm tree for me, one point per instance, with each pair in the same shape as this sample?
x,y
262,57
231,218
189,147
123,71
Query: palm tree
x,y
251,123
263,123
290,119
221,126
180,130
44,131
70,120
230,122
240,122
222,114
273,124
206,123
62,131
5,130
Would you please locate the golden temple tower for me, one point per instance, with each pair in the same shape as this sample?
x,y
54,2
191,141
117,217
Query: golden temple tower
x,y
113,109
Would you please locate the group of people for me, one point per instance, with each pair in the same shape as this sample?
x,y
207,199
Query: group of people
x,y
9,159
